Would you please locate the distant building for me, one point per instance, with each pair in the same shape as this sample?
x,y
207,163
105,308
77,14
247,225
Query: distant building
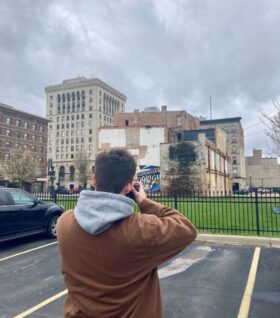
x,y
76,109
23,131
262,172
153,116
142,142
198,163
235,142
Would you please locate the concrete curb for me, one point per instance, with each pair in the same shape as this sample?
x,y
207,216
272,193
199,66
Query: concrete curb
x,y
240,240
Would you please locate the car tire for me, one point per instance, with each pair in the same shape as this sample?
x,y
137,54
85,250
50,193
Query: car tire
x,y
51,227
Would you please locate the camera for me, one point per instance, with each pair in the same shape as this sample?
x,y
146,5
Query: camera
x,y
130,195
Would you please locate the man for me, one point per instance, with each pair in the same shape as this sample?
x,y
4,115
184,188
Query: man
x,y
110,255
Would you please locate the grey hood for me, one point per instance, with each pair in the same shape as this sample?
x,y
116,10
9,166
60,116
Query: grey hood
x,y
96,211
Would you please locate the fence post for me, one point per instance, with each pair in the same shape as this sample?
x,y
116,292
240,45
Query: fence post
x,y
175,199
257,211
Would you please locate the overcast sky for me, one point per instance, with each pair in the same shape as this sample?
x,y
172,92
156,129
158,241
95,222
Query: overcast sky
x,y
161,52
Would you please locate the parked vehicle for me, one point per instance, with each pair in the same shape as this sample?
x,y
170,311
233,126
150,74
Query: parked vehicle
x,y
264,190
22,214
62,190
242,191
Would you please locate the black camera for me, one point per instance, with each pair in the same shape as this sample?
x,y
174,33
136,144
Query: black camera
x,y
131,194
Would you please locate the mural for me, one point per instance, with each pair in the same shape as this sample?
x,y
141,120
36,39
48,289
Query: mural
x,y
150,177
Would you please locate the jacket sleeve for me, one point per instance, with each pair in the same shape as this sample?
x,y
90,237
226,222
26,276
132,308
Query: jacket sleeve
x,y
168,231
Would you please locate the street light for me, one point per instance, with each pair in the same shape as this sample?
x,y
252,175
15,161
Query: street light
x,y
51,175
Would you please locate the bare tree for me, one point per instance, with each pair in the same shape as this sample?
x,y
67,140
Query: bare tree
x,y
83,164
272,124
20,167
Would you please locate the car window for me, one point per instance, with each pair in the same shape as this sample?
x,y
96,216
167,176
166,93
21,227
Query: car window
x,y
3,199
21,198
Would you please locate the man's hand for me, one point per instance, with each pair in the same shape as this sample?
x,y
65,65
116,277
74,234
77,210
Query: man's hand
x,y
139,195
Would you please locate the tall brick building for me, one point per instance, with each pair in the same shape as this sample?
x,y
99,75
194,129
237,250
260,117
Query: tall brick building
x,y
23,131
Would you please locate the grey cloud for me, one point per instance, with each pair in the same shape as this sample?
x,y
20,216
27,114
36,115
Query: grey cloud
x,y
156,52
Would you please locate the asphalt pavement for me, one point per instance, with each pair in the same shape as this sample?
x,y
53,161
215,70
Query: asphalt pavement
x,y
206,280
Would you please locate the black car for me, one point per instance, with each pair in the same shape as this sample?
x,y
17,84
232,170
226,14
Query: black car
x,y
22,214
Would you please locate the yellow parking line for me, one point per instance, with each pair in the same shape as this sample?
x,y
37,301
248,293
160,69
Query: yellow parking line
x,y
246,300
42,304
28,251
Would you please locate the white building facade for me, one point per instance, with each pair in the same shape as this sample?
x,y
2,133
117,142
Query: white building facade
x,y
76,109
142,142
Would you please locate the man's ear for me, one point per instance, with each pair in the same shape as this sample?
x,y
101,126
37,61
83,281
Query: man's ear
x,y
127,188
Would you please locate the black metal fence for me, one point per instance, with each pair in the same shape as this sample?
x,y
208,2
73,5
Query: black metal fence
x,y
255,213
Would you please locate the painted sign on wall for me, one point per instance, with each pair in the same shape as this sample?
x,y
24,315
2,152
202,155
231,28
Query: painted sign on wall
x,y
150,177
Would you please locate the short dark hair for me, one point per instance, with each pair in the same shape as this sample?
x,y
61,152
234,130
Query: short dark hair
x,y
114,169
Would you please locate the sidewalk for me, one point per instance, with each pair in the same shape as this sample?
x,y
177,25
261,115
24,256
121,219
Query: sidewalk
x,y
240,240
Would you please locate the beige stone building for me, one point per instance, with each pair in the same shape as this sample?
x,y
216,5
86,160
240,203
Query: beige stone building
x,y
262,172
198,163
26,132
235,142
76,109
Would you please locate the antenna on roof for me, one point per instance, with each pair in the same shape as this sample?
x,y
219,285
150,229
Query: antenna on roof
x,y
210,107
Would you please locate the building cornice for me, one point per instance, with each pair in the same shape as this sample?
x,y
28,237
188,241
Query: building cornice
x,y
17,111
83,82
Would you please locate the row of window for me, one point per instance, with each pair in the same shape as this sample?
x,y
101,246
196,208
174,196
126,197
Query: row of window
x,y
71,148
7,156
72,117
9,144
69,156
25,136
25,124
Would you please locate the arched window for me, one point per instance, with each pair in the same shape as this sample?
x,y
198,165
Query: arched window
x,y
72,173
61,174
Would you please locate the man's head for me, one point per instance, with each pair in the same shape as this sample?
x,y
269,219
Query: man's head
x,y
114,171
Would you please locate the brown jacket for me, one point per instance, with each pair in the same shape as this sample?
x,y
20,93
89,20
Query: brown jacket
x,y
114,274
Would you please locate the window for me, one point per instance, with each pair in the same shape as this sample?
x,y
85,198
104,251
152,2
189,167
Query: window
x,y
42,149
126,122
90,92
26,125
90,115
57,126
20,198
4,199
34,127
7,144
9,121
90,131
33,148
33,138
7,156
17,134
89,139
8,132
25,136
17,146
72,156
25,147
17,123
234,160
41,138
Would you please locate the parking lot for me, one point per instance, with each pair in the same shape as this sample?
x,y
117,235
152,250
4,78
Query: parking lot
x,y
205,280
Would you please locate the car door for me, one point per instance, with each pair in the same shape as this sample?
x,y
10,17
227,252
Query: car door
x,y
28,215
7,224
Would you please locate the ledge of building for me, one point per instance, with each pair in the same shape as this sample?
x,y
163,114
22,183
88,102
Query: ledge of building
x,y
240,240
